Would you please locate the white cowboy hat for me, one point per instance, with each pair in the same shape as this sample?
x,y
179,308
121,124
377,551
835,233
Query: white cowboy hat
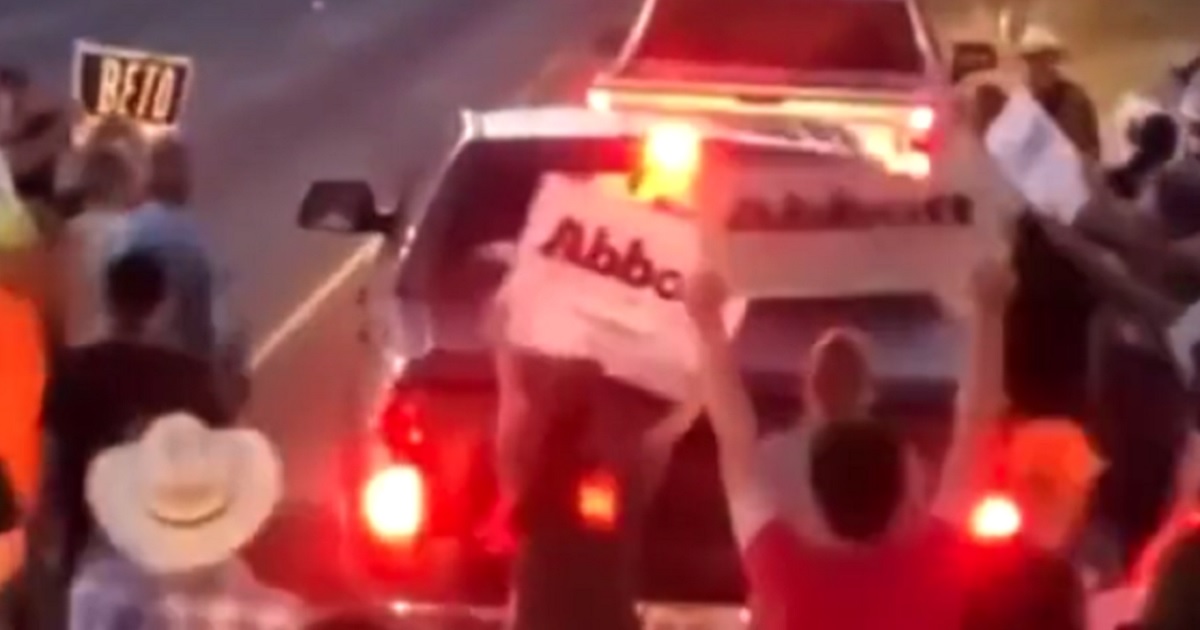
x,y
1040,39
184,496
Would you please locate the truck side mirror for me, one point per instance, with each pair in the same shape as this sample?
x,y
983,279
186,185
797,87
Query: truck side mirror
x,y
968,58
342,207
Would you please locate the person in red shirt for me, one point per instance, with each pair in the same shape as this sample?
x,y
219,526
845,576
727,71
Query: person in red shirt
x,y
873,557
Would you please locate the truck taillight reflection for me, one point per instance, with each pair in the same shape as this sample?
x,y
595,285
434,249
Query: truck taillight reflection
x,y
394,503
597,501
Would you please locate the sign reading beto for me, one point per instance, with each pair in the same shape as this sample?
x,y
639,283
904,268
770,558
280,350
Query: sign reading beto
x,y
600,275
148,88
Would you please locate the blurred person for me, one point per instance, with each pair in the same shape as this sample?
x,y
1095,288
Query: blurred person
x,y
560,420
165,227
14,582
23,360
1064,100
1156,140
12,529
1173,598
35,131
102,392
1033,582
175,507
837,383
109,187
865,542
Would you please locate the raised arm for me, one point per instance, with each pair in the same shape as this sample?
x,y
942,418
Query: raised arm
x,y
981,396
729,407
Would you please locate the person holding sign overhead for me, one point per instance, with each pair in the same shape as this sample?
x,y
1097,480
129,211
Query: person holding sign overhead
x,y
867,542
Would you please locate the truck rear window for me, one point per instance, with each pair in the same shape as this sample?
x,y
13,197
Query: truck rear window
x,y
794,35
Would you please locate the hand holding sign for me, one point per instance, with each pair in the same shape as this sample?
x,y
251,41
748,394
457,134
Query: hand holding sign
x,y
147,88
1038,159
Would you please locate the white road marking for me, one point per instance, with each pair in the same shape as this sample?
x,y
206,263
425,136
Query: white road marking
x,y
311,304
308,308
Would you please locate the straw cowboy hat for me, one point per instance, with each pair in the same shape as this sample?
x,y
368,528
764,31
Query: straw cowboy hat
x,y
184,496
1038,39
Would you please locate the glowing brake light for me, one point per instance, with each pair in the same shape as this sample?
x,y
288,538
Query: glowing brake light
x,y
996,517
672,148
921,120
670,160
393,503
599,100
597,501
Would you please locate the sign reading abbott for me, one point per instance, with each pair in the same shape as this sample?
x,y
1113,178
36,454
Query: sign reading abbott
x,y
145,87
600,275
833,226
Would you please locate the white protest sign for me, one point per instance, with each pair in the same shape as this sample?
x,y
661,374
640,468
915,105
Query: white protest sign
x,y
821,226
148,88
601,275
1038,158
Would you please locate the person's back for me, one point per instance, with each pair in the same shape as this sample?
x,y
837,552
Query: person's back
x,y
1017,584
100,393
164,227
176,506
1173,600
911,569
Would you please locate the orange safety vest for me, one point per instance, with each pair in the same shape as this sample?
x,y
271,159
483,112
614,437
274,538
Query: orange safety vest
x,y
22,384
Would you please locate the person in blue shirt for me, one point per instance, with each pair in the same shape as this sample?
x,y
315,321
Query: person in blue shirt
x,y
164,227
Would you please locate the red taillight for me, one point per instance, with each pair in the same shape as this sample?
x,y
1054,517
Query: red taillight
x,y
402,423
922,122
394,503
597,501
995,517
672,148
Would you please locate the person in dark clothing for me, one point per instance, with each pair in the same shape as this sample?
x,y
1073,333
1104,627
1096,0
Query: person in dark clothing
x,y
1047,327
1173,601
1156,141
101,394
1066,101
34,133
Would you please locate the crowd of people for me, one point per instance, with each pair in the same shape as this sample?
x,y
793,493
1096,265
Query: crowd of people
x,y
1071,402
129,488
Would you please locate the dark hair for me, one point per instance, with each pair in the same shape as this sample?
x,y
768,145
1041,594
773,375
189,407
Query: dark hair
x,y
135,286
858,477
105,176
1157,139
169,171
14,78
